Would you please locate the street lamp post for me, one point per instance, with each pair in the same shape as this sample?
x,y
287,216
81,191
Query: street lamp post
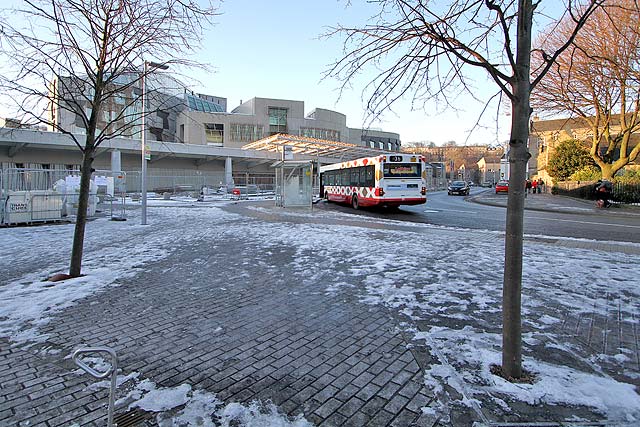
x,y
143,150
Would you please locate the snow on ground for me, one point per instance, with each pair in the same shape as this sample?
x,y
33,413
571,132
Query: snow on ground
x,y
182,406
450,278
113,251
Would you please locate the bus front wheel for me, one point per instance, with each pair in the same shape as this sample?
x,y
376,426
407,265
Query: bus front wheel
x,y
354,202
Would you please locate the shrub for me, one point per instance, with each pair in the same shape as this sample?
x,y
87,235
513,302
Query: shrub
x,y
568,157
628,176
587,173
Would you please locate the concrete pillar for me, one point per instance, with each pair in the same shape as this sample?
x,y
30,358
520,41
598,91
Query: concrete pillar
x,y
119,180
116,161
228,173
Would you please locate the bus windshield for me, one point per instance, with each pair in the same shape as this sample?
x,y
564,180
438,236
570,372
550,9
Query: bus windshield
x,y
402,170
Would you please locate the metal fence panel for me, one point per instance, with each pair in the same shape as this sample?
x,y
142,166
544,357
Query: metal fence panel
x,y
623,193
37,195
32,195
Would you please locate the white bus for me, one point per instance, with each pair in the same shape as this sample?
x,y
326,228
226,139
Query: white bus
x,y
385,180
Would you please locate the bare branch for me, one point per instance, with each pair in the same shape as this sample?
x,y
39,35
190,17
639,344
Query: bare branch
x,y
422,53
85,58
598,79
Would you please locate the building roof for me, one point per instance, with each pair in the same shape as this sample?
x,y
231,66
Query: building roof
x,y
198,104
489,160
313,147
557,124
569,123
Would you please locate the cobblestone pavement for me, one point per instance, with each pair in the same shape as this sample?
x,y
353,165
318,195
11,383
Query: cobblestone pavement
x,y
217,315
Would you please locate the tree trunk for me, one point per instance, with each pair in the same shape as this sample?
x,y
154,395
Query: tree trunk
x,y
607,172
81,216
518,158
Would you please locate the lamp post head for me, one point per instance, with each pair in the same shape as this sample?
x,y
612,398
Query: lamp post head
x,y
156,65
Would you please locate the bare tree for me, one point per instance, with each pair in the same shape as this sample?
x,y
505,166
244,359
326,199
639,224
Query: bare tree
x,y
84,57
597,80
427,50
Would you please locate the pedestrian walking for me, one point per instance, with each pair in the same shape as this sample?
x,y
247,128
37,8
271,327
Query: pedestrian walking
x,y
528,186
534,186
540,185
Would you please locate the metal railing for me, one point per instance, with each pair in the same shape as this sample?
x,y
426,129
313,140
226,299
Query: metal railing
x,y
40,195
112,370
623,193
626,193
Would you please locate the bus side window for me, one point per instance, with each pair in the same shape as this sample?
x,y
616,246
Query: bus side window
x,y
328,178
369,176
355,176
345,177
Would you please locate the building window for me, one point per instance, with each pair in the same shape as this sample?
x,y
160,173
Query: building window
x,y
165,119
277,120
214,133
328,134
199,104
245,132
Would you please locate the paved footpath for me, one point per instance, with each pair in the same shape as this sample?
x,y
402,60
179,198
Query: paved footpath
x,y
327,356
338,362
554,203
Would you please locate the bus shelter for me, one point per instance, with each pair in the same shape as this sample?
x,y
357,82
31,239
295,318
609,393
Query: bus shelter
x,y
294,183
294,172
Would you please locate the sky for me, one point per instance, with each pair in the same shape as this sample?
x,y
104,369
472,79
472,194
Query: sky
x,y
275,50
459,306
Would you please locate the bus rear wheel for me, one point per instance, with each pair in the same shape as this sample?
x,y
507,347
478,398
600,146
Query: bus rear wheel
x,y
354,202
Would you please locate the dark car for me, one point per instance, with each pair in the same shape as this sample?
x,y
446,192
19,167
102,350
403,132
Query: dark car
x,y
458,187
502,187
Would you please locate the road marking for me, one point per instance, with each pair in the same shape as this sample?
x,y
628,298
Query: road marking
x,y
430,211
460,211
587,222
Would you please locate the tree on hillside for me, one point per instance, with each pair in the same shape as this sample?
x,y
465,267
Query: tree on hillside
x,y
428,51
598,80
419,144
94,51
568,157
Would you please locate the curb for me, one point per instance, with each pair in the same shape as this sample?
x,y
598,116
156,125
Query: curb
x,y
626,210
